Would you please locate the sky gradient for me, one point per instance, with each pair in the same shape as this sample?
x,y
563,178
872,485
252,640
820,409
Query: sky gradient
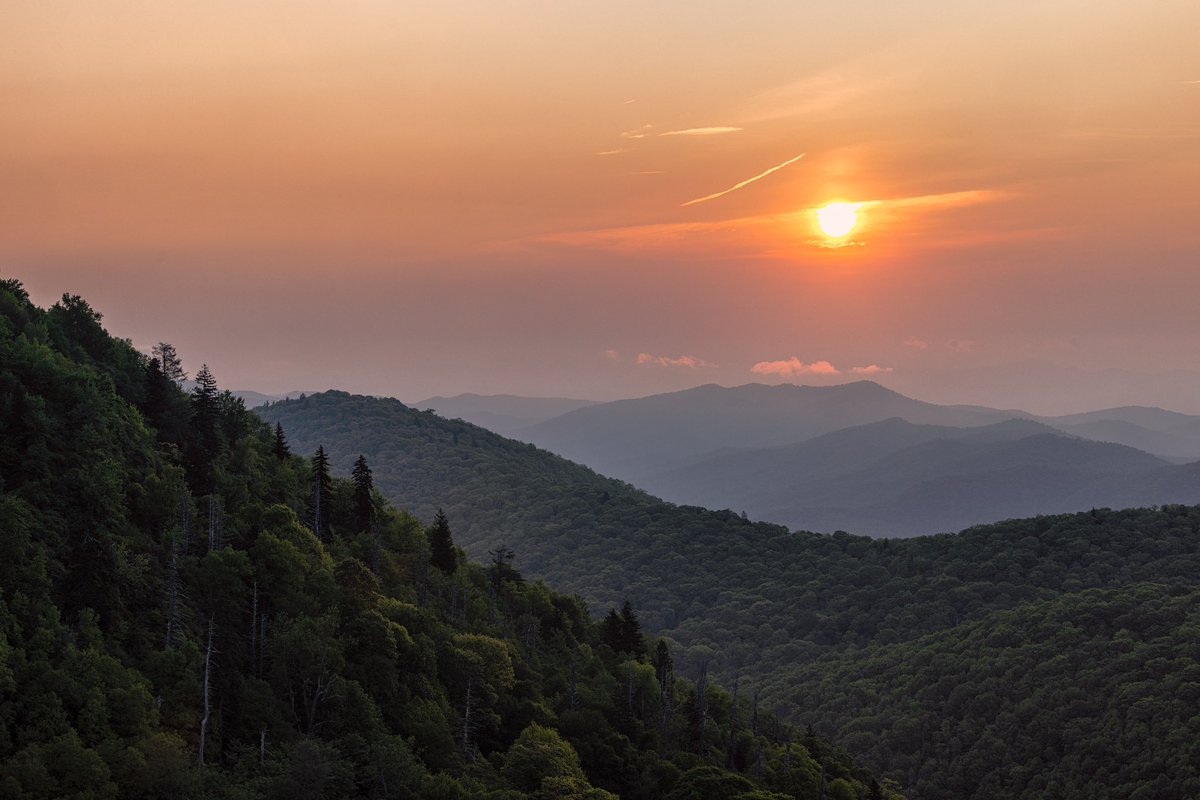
x,y
415,199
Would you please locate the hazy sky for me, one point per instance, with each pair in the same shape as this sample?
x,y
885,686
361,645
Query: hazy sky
x,y
427,198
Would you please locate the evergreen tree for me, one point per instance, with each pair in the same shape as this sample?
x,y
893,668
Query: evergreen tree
x,y
631,631
320,501
280,446
205,443
622,632
441,545
610,630
364,488
664,665
169,362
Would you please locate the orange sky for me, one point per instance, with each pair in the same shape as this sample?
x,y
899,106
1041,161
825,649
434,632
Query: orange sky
x,y
412,199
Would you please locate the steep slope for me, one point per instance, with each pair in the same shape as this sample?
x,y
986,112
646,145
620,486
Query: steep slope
x,y
169,627
503,413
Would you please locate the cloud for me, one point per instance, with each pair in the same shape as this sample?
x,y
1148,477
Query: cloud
x,y
612,355
794,366
746,182
689,362
637,133
943,200
614,152
960,345
919,344
709,131
870,369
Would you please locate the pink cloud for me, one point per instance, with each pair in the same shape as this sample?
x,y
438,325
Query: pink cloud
x,y
690,362
919,344
612,355
870,369
794,366
960,345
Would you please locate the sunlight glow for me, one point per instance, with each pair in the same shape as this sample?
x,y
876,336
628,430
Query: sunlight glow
x,y
838,219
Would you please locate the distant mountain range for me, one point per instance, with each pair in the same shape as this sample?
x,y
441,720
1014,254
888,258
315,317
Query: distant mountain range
x,y
863,458
894,478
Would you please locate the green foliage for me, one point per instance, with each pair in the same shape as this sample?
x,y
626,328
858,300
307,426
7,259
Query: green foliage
x,y
155,583
441,545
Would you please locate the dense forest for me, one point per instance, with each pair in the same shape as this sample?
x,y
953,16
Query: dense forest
x,y
864,639
190,608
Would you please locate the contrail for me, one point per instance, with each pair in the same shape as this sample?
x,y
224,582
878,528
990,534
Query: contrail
x,y
746,182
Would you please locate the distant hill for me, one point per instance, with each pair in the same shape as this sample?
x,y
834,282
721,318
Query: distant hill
x,y
634,439
502,413
1165,433
894,478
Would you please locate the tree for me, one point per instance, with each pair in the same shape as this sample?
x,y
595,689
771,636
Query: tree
x,y
364,501
319,502
537,754
169,362
205,443
280,446
441,545
610,630
631,631
622,631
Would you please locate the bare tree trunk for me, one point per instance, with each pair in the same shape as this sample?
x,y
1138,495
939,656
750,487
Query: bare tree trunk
x,y
254,625
207,700
468,749
214,522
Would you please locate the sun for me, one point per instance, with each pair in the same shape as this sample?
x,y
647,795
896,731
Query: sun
x,y
838,219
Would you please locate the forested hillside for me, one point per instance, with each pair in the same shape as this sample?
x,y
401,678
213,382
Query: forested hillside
x,y
797,615
188,609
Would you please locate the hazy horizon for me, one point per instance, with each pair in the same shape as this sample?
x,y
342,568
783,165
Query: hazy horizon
x,y
619,200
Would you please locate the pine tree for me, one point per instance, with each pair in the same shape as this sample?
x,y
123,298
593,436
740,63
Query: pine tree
x,y
622,632
441,545
169,362
611,632
205,444
320,501
631,631
280,446
364,501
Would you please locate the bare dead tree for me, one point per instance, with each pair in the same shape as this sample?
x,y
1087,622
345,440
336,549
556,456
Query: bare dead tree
x,y
469,723
214,522
208,654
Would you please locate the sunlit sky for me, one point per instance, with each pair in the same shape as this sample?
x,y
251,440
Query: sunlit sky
x,y
430,198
